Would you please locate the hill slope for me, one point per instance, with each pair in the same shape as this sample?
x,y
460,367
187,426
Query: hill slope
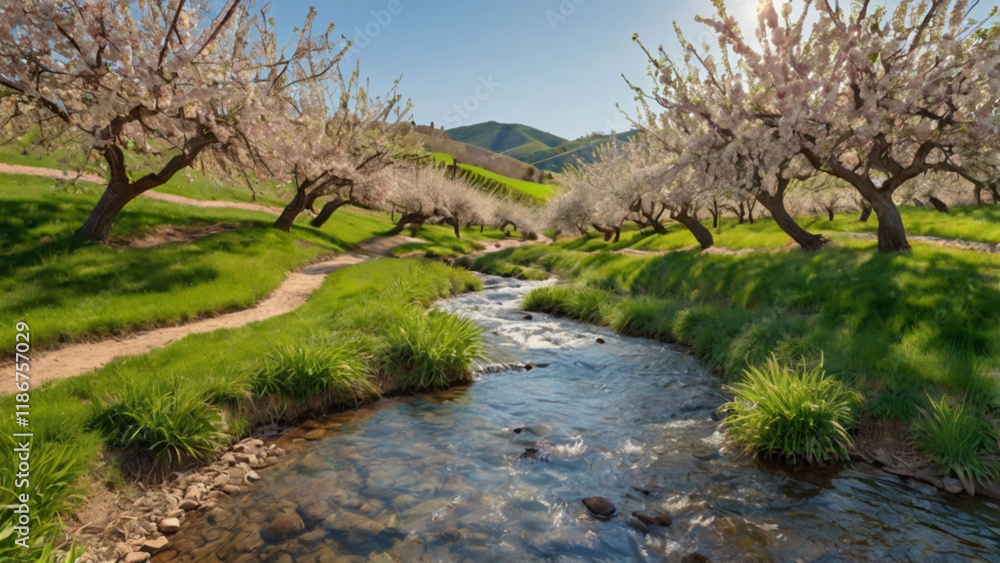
x,y
529,145
504,138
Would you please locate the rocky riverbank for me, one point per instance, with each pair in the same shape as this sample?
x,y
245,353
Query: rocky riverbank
x,y
139,528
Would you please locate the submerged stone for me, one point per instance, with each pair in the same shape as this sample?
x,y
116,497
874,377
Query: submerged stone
x,y
600,507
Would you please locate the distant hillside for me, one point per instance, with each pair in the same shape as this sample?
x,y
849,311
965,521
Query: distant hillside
x,y
437,141
505,138
529,145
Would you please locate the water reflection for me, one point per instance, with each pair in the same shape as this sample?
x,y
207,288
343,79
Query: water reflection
x,y
497,471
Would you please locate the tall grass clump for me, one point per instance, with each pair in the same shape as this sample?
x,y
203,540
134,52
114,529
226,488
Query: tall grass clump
x,y
957,439
430,351
587,304
172,422
55,473
303,371
792,413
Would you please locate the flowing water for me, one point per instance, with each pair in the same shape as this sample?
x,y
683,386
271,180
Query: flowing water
x,y
497,471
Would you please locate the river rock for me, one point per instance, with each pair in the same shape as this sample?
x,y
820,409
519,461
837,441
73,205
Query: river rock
x,y
600,341
600,507
451,534
310,463
228,458
952,485
404,501
312,512
166,555
283,527
528,317
188,504
359,528
231,489
169,525
695,558
154,545
653,519
136,557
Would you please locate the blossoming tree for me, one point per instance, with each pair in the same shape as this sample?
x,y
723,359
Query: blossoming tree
x,y
155,77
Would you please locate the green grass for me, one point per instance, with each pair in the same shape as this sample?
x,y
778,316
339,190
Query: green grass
x,y
311,369
957,439
536,193
792,413
69,290
166,418
199,393
431,351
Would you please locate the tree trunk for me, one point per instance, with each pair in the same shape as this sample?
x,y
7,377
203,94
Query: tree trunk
x,y
775,205
938,204
891,232
701,234
715,214
829,213
97,227
456,225
291,211
326,212
866,212
408,218
977,192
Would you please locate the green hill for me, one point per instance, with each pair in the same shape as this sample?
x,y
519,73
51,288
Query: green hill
x,y
503,138
529,145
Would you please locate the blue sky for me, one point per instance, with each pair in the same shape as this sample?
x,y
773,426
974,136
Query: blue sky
x,y
552,64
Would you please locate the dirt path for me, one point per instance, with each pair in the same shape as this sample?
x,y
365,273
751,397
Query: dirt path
x,y
58,174
48,173
953,243
212,203
78,359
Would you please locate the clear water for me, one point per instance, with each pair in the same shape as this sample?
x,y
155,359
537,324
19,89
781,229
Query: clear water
x,y
446,477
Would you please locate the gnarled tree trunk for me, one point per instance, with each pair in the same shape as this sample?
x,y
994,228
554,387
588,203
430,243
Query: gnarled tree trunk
x,y
866,212
891,232
98,225
775,205
413,218
327,211
291,211
122,190
700,232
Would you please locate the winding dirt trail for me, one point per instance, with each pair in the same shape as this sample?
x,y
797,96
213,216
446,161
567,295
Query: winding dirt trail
x,y
952,243
78,359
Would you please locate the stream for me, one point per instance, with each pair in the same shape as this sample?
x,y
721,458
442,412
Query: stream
x,y
496,471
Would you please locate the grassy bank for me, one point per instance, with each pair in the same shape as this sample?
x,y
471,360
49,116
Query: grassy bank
x,y
363,334
69,290
904,330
